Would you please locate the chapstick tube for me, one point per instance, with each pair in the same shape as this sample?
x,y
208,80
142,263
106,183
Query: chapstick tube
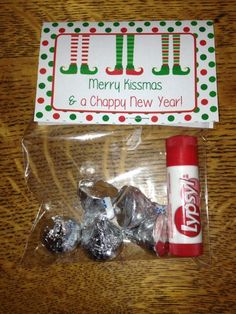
x,y
184,220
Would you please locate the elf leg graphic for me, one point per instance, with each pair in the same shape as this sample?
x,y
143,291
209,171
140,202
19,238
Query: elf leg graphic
x,y
165,70
130,70
73,68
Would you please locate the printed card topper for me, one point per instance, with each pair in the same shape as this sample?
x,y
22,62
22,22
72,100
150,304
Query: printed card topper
x,y
127,73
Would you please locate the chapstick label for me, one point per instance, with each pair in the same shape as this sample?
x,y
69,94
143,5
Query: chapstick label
x,y
184,205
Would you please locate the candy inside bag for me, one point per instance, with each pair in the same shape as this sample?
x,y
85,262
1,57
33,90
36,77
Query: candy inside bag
x,y
97,197
102,239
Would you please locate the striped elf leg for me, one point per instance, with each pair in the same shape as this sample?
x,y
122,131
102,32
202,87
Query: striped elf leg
x,y
72,69
176,49
119,56
84,69
130,70
165,70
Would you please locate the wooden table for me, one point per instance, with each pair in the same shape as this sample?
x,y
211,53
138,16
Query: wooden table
x,y
153,286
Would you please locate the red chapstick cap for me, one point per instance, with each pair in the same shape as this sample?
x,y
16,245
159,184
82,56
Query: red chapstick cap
x,y
181,150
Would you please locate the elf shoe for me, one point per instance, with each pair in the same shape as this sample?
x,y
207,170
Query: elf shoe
x,y
84,69
178,71
71,70
165,70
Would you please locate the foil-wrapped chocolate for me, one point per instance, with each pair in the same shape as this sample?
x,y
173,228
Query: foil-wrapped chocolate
x,y
151,234
132,207
102,239
61,234
97,197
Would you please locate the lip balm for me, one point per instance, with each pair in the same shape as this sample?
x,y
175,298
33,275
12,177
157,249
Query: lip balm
x,y
184,220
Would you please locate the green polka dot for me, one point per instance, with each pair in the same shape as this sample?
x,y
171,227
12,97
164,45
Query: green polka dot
x,y
116,24
203,86
209,23
48,108
139,29
205,116
138,119
212,93
211,49
70,24
49,93
108,30
197,79
42,85
213,108
131,23
212,79
211,64
72,116
196,110
46,30
50,78
197,64
100,24
178,23
77,30
170,29
50,63
51,49
39,114
162,23
44,56
210,35
147,23
196,35
197,49
53,36
54,24
105,118
171,118
194,23
197,94
202,29
203,57
85,24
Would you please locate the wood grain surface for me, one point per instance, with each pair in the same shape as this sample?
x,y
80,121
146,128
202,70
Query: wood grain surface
x,y
135,286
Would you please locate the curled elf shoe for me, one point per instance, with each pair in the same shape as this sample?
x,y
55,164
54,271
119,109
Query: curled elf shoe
x,y
84,69
165,70
178,71
72,69
132,71
116,71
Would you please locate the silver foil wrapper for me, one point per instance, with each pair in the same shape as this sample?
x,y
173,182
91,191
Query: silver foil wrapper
x,y
97,197
151,234
132,207
61,234
102,239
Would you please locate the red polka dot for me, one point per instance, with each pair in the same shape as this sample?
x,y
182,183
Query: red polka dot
x,y
62,30
45,43
40,100
124,30
186,29
89,117
93,30
154,29
121,118
203,72
56,116
187,117
154,119
42,71
204,101
202,42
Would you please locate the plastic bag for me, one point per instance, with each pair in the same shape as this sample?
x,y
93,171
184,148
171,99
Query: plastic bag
x,y
103,192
